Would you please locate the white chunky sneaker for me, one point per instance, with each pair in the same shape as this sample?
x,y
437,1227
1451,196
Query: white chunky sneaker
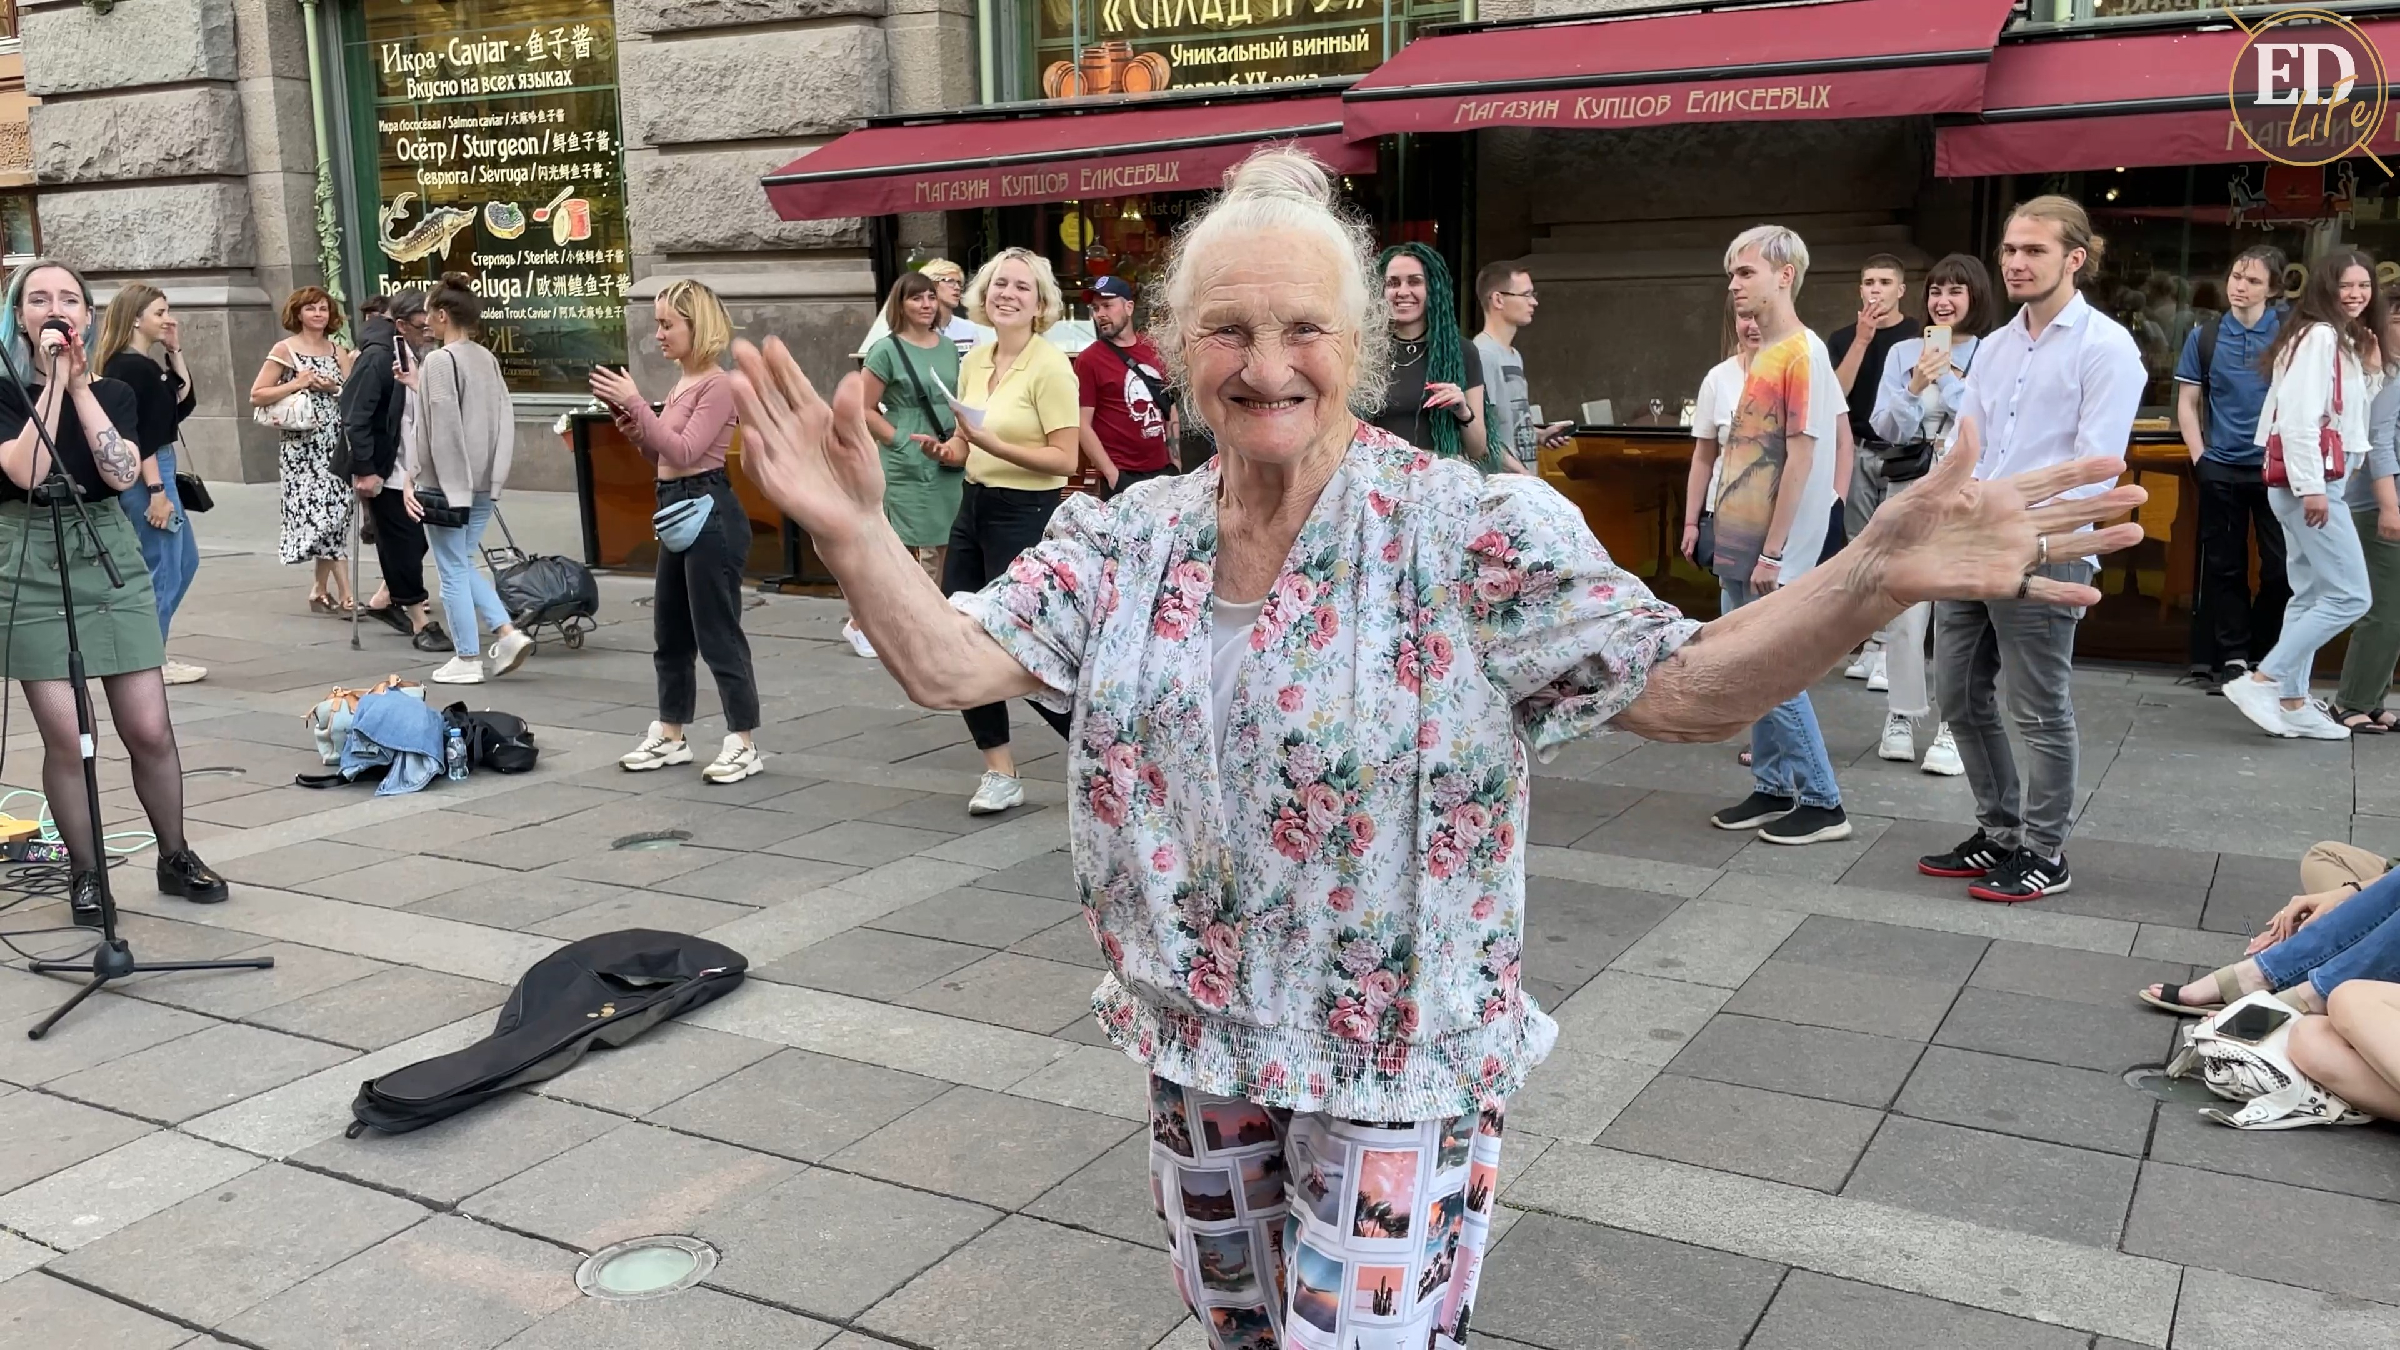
x,y
509,652
460,670
996,793
1879,675
182,672
1943,757
656,751
736,761
1899,739
1860,664
858,640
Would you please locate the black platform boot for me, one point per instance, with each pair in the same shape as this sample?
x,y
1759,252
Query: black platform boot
x,y
182,873
83,897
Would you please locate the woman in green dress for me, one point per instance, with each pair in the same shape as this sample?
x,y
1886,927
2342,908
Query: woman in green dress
x,y
907,373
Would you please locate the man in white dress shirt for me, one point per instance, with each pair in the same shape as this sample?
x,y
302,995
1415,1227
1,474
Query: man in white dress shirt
x,y
2060,381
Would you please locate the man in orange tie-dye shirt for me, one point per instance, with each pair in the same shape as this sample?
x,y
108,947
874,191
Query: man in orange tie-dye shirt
x,y
1772,514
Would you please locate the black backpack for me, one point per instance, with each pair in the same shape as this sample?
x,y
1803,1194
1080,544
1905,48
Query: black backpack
x,y
497,741
603,991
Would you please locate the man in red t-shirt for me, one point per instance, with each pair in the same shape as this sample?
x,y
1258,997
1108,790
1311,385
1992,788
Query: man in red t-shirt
x,y
1128,418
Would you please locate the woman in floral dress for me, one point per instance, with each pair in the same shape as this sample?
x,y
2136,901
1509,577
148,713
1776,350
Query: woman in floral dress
x,y
316,504
1305,681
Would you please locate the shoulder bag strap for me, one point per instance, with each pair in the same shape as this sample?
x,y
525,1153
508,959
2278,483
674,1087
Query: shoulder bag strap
x,y
924,396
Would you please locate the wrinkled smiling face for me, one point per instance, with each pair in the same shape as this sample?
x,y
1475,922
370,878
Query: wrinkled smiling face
x,y
1269,349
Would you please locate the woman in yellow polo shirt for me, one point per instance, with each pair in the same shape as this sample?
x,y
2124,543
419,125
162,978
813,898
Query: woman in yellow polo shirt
x,y
1017,461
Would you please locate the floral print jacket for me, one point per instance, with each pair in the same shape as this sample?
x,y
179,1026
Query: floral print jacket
x,y
1327,914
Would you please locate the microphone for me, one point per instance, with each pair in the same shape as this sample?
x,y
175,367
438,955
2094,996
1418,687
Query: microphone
x,y
56,334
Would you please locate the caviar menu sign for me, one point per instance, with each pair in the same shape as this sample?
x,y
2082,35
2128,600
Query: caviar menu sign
x,y
495,153
1086,47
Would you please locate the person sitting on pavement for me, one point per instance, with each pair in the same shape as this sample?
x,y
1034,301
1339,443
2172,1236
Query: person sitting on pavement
x,y
2342,927
2354,1049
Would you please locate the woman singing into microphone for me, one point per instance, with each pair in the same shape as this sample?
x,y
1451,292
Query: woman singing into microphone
x,y
45,326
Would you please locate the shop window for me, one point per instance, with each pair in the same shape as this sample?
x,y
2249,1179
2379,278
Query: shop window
x,y
1087,48
18,227
2171,233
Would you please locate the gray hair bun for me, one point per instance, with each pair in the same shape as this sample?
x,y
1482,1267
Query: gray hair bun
x,y
1285,173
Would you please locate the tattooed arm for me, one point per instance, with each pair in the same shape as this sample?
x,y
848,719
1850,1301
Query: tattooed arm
x,y
105,409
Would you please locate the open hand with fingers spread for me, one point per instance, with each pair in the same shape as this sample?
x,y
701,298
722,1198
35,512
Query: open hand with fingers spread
x,y
816,461
1952,537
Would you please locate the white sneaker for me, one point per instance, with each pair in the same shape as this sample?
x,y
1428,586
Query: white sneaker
x,y
460,670
656,751
1879,677
182,672
1899,738
996,793
1860,664
858,640
2311,722
736,761
509,652
1943,757
2258,701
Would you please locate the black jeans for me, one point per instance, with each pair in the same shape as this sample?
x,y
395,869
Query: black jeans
x,y
2228,623
994,525
1129,479
399,546
697,609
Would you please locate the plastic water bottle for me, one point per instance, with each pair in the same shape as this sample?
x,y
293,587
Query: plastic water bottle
x,y
454,755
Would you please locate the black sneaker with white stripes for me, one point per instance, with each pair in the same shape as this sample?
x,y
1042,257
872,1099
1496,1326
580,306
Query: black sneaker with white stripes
x,y
1752,811
2025,876
1974,858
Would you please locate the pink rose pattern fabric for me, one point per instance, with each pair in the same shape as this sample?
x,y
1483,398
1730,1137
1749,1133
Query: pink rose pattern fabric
x,y
1326,913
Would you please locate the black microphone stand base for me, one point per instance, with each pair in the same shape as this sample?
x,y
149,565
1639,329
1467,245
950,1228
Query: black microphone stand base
x,y
113,960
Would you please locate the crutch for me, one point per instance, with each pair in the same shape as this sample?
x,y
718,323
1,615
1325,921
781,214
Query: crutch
x,y
358,520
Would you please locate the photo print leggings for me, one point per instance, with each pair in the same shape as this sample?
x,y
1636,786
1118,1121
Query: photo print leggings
x,y
1307,1232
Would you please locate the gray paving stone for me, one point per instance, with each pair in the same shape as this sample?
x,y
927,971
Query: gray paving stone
x,y
527,902
2050,1102
1635,1017
2141,882
1563,810
1051,874
406,880
384,1008
189,1076
2076,977
1100,1079
298,864
1813,1312
1838,1066
698,1317
2246,890
2110,1040
1671,827
539,802
238,1244
655,910
985,1146
298,972
663,1064
1575,1094
2362,1161
1070,942
1110,1196
2001,1182
871,963
746,878
828,802
800,1105
1708,943
2337,1244
1879,1005
982,917
1563,1285
639,867
106,1027
635,1180
834,1245
38,1310
1740,1129
2226,1312
94,1198
1883,949
1096,1291
452,1159
47,1133
448,1281
860,843
1009,990
1574,929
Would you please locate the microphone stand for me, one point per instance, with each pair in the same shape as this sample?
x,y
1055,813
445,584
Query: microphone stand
x,y
113,958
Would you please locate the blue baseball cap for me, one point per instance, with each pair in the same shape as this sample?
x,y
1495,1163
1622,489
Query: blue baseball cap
x,y
1117,287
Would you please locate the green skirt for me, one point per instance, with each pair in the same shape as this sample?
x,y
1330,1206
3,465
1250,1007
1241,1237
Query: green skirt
x,y
118,628
920,496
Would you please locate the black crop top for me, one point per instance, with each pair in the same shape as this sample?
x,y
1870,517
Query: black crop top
x,y
74,450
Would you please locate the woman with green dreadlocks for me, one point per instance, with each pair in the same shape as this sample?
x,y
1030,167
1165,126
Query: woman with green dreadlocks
x,y
1435,399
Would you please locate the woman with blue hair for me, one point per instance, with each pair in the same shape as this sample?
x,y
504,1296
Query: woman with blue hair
x,y
52,400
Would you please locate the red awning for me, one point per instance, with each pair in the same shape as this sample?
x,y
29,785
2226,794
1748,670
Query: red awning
x,y
2099,102
1054,154
1834,58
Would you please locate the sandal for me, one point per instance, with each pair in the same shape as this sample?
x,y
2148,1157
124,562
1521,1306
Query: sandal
x,y
320,603
2360,722
2162,996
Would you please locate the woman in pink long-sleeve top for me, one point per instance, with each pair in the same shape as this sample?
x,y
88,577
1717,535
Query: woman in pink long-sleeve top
x,y
697,610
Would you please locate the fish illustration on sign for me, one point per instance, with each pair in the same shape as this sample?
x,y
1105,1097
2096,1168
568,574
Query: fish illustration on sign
x,y
430,235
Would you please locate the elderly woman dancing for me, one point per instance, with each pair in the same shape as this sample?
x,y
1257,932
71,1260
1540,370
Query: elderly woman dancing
x,y
1304,681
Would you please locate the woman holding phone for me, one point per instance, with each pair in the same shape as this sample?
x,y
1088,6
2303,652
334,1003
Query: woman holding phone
x,y
142,348
906,370
1923,385
696,609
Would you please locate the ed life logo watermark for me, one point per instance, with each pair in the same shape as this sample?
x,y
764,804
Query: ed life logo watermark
x,y
2308,88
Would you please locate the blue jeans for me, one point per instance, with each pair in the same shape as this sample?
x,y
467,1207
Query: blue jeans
x,y
2357,939
170,555
2327,568
467,594
1787,752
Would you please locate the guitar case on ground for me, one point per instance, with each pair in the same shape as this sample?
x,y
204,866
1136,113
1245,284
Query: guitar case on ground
x,y
603,990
